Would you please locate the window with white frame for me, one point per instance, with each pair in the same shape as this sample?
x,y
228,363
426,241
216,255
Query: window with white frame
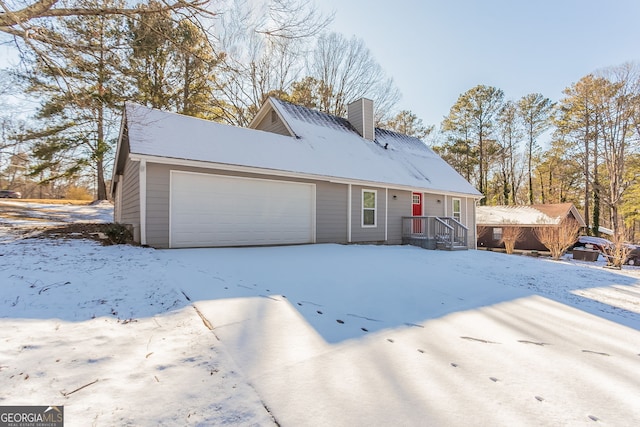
x,y
369,207
457,209
497,233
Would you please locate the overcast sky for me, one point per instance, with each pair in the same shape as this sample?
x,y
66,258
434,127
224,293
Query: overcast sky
x,y
436,50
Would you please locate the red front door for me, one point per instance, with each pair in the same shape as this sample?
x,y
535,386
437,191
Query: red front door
x,y
417,211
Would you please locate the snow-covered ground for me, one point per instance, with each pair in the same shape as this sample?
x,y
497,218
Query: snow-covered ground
x,y
320,335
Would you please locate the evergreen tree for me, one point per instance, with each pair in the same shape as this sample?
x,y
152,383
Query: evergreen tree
x,y
535,111
470,122
81,93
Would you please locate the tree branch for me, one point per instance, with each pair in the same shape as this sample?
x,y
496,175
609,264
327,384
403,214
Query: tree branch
x,y
44,9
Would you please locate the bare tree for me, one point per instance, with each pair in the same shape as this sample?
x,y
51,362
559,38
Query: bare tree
x,y
616,253
264,45
558,238
347,71
510,236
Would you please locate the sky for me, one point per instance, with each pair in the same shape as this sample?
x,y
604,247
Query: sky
x,y
437,50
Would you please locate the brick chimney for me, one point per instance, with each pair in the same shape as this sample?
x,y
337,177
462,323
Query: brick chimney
x,y
360,115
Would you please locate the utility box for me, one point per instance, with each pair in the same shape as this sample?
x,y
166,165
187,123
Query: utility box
x,y
585,254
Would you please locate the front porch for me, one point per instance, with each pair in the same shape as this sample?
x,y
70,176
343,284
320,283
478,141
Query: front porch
x,y
432,232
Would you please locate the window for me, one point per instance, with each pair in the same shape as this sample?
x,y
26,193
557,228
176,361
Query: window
x,y
416,199
457,209
369,202
497,233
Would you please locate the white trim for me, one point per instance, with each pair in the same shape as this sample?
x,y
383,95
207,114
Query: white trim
x,y
375,208
453,211
117,211
142,170
262,112
285,174
349,212
118,148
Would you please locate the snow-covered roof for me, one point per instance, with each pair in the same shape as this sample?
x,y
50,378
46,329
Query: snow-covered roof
x,y
324,146
549,214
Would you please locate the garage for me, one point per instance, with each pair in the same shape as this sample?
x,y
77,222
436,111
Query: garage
x,y
215,210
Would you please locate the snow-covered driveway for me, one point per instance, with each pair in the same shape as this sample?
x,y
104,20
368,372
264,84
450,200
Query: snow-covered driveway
x,y
320,335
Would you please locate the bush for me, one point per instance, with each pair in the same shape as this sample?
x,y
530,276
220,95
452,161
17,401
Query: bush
x,y
558,238
119,234
510,236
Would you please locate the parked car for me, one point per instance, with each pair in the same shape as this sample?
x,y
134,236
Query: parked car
x,y
633,258
8,194
600,244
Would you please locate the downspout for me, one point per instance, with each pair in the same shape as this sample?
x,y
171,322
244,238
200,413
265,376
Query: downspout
x,y
349,213
143,201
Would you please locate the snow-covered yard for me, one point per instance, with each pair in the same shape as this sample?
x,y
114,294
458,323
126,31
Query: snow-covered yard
x,y
315,335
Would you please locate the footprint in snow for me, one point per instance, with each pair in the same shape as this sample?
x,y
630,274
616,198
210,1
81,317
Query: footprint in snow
x,y
539,399
340,321
364,329
320,312
390,340
595,352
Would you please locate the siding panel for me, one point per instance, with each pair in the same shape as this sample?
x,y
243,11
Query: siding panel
x,y
398,207
272,123
331,212
130,209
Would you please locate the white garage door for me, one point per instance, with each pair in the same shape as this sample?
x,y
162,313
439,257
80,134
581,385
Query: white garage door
x,y
215,210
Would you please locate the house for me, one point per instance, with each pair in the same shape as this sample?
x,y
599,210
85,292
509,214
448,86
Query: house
x,y
294,176
491,221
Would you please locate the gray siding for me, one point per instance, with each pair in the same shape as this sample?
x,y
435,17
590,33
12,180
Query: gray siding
x,y
158,181
331,212
272,123
130,209
398,207
360,234
331,207
433,204
468,207
331,204
360,115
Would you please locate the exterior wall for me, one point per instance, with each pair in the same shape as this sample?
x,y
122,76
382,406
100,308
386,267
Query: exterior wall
x,y
272,123
433,204
528,242
472,239
331,207
331,212
130,197
398,207
331,204
360,234
158,182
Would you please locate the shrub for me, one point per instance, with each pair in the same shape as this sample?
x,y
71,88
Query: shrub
x,y
510,236
617,251
119,234
558,238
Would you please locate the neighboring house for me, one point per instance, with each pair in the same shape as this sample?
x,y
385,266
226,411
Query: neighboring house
x,y
295,176
491,221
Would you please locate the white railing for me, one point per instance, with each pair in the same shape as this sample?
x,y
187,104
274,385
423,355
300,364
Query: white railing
x,y
434,232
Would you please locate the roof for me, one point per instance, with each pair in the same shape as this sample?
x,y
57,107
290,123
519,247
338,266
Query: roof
x,y
530,215
323,146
